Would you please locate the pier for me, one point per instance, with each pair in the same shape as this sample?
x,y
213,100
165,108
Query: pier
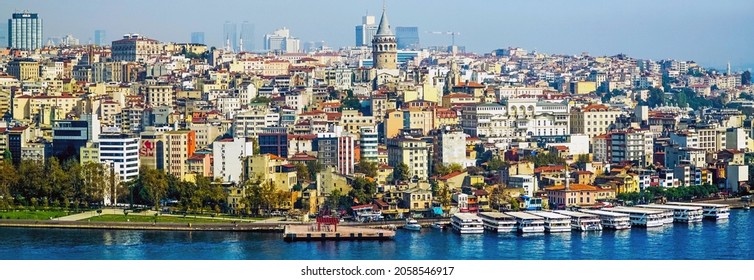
x,y
310,232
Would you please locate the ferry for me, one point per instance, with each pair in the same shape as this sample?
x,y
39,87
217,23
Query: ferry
x,y
498,222
554,222
681,214
528,223
642,216
611,220
582,221
466,223
711,211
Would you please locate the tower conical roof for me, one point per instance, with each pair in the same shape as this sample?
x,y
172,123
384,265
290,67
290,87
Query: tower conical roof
x,y
384,28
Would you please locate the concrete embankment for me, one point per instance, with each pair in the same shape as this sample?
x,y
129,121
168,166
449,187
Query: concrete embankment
x,y
259,227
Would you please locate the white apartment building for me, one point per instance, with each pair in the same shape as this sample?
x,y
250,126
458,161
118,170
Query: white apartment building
x,y
122,151
228,155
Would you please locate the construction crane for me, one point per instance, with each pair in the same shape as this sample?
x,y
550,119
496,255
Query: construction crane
x,y
451,33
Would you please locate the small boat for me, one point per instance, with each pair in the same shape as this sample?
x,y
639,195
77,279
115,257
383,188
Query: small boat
x,y
438,225
747,206
412,224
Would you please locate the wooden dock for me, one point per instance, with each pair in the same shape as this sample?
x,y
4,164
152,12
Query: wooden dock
x,y
310,232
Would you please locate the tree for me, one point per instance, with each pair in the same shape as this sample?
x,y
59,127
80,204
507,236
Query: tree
x,y
746,78
314,168
93,183
8,177
442,195
255,146
495,163
155,184
302,173
681,99
369,168
656,97
32,180
401,172
7,156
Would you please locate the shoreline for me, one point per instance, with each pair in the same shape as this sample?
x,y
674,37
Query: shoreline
x,y
246,227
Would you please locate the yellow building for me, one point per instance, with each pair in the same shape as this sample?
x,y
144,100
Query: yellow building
x,y
329,180
24,70
582,87
52,107
352,121
89,153
270,168
593,119
160,95
179,147
4,101
393,123
417,118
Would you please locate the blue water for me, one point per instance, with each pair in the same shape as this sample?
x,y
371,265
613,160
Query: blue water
x,y
724,240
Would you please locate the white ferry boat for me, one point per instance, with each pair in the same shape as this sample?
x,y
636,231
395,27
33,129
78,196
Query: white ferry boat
x,y
582,221
642,216
498,222
681,214
466,223
528,223
711,211
554,222
611,220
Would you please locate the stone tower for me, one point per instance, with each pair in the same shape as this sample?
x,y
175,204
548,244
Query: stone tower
x,y
384,46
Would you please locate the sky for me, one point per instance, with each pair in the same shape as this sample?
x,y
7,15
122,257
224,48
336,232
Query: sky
x,y
711,33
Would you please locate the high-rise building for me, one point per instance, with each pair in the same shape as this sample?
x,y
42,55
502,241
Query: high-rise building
x,y
407,37
197,38
365,32
122,151
100,37
281,40
230,35
3,35
384,49
246,40
25,31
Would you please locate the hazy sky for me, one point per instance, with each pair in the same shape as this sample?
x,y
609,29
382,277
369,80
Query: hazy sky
x,y
709,32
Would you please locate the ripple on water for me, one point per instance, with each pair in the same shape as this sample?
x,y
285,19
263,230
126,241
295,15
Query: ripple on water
x,y
707,240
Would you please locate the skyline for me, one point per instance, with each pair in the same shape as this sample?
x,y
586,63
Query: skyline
x,y
711,34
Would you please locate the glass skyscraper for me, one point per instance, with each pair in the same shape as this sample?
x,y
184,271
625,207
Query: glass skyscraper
x,y
365,32
100,37
408,37
197,38
247,34
230,33
25,31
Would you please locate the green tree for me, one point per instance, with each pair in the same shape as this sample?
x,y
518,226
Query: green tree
x,y
155,184
401,172
93,183
8,178
7,156
314,168
656,97
302,173
681,99
255,146
369,168
442,195
32,180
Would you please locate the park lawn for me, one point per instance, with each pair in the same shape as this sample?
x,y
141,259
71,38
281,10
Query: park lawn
x,y
150,219
32,215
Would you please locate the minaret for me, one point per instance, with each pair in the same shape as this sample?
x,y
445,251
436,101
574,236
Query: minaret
x,y
567,177
728,68
384,45
227,43
240,45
